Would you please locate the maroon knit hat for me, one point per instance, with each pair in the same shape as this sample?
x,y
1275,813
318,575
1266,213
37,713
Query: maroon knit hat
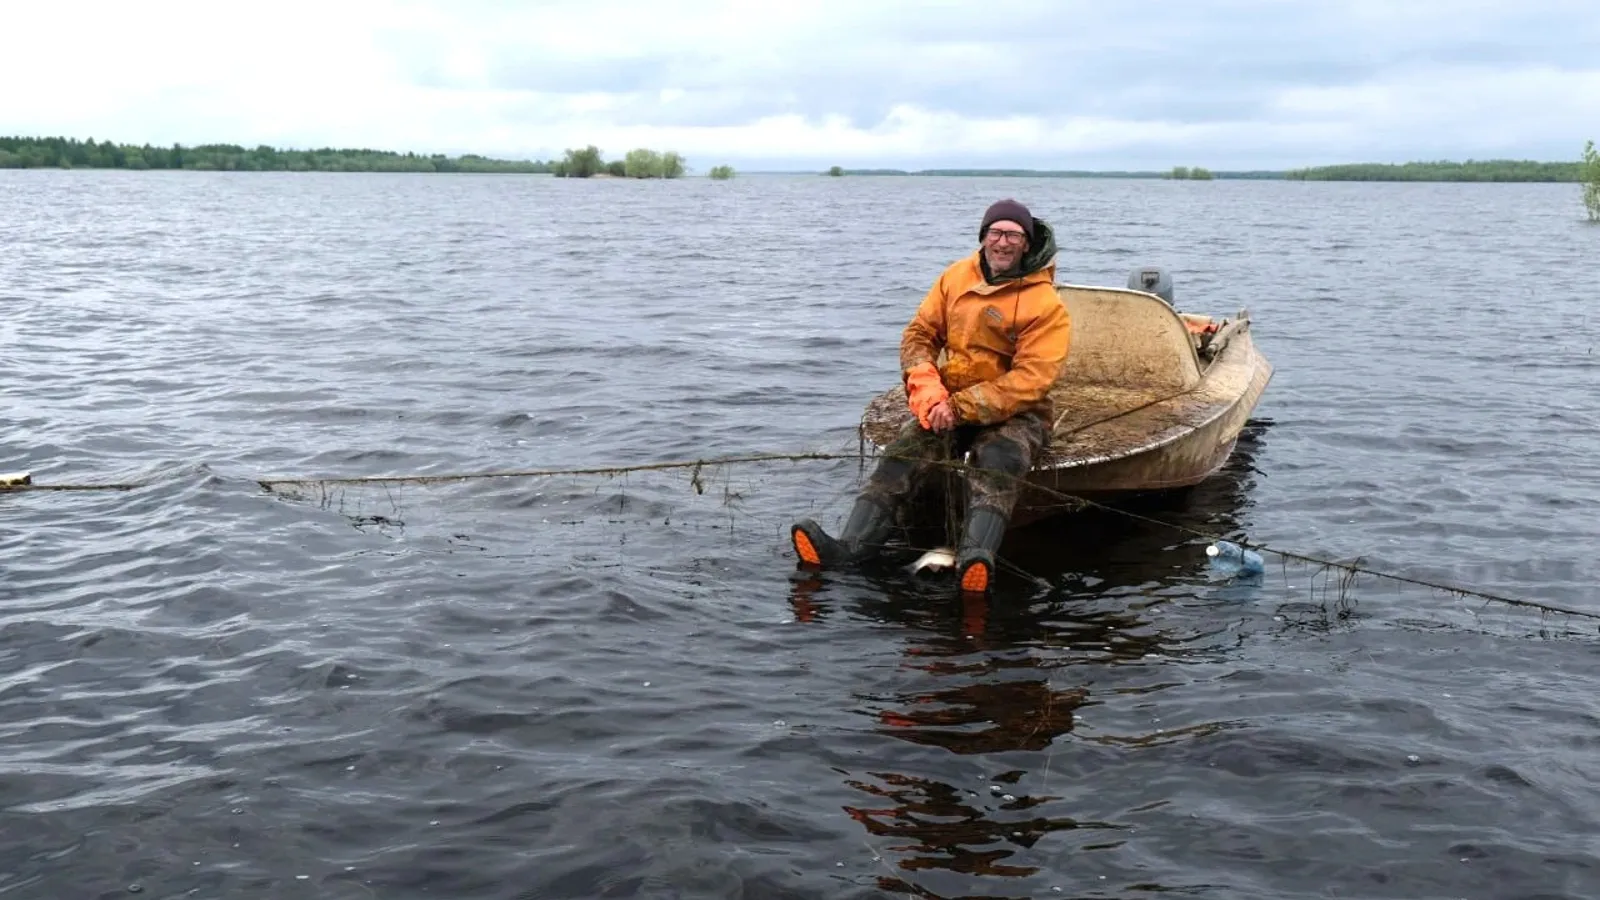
x,y
1009,210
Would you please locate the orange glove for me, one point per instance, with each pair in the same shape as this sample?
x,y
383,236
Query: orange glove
x,y
924,391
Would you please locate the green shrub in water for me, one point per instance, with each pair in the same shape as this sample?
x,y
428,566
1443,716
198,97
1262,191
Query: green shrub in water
x,y
1590,174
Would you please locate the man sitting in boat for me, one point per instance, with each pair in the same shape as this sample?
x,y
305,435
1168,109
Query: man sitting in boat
x,y
1004,332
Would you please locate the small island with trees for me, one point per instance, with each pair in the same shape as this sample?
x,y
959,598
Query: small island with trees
x,y
640,163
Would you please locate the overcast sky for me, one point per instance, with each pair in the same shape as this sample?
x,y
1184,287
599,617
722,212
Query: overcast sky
x,y
1106,84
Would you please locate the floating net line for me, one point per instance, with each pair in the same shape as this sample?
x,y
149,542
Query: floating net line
x,y
698,468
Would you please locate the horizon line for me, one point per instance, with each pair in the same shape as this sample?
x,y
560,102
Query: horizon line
x,y
860,168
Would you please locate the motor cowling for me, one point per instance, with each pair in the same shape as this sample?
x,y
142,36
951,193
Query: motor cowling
x,y
1152,280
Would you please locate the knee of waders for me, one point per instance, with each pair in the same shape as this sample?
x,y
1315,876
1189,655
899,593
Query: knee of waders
x,y
1001,456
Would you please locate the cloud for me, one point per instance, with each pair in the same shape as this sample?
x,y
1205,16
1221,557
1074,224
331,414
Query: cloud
x,y
1226,83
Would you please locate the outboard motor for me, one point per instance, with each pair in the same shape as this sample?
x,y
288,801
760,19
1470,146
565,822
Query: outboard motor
x,y
1152,280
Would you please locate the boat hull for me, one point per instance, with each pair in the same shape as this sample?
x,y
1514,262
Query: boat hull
x,y
1187,455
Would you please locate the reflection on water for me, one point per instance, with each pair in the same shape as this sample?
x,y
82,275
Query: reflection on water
x,y
982,691
1003,679
1144,539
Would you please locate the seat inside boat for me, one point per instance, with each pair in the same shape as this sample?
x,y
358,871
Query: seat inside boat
x,y
1129,348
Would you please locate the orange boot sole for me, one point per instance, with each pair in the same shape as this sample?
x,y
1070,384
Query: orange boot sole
x,y
975,579
804,549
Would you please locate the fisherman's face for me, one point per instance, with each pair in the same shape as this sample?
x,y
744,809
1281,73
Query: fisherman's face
x,y
1003,245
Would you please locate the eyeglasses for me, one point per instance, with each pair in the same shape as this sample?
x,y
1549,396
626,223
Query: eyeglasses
x,y
999,235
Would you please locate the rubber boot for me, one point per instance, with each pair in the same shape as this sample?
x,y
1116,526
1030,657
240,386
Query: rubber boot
x,y
975,560
864,532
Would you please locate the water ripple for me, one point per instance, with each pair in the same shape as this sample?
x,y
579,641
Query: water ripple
x,y
612,686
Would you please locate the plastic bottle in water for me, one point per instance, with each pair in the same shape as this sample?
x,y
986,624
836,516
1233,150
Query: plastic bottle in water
x,y
1228,556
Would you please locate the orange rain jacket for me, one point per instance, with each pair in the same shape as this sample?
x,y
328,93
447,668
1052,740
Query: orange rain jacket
x,y
1004,342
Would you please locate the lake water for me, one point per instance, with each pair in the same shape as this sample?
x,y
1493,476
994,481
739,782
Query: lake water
x,y
612,686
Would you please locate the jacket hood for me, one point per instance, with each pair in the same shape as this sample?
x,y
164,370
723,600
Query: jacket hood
x,y
1041,253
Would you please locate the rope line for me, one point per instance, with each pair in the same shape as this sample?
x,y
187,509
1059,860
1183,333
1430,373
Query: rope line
x,y
22,488
1072,502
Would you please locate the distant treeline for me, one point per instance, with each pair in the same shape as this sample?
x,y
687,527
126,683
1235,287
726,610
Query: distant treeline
x,y
1471,170
1180,172
70,153
1489,170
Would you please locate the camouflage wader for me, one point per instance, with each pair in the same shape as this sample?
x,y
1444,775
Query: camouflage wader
x,y
1002,454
